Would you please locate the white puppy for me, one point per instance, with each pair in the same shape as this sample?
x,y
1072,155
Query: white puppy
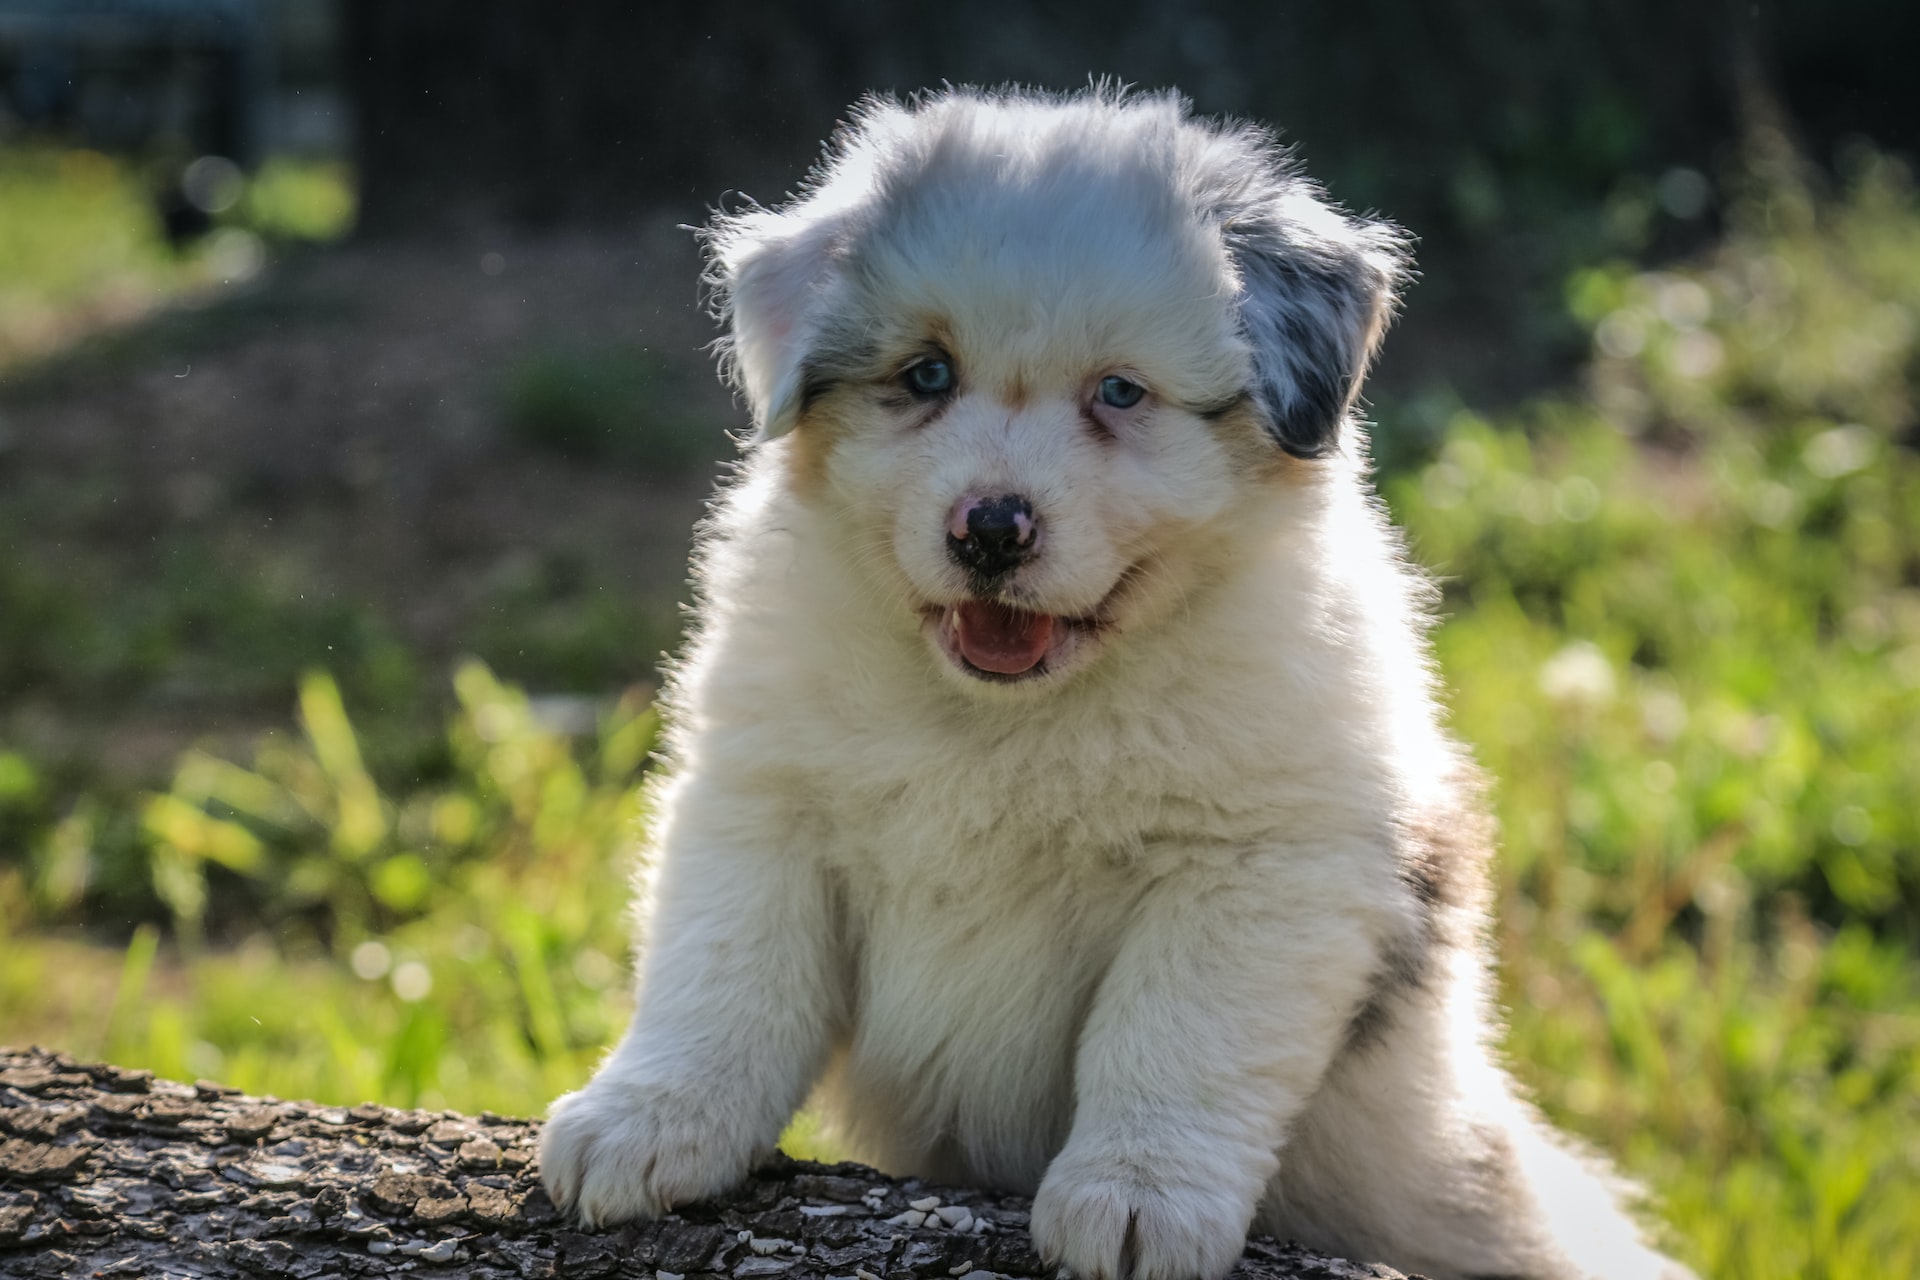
x,y
1056,783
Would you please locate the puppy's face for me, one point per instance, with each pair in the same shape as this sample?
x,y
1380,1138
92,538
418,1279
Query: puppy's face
x,y
1026,371
1020,426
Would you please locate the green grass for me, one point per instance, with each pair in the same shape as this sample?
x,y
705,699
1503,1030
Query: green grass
x,y
1682,630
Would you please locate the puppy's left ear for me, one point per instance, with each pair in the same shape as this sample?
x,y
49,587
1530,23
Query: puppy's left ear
x,y
1317,289
771,273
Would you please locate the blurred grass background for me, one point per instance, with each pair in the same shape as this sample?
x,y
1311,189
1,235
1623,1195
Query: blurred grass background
x,y
1681,628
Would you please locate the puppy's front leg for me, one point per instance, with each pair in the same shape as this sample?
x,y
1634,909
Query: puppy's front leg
x,y
736,1004
1219,1016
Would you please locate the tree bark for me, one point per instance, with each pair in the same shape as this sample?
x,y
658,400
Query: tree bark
x,y
110,1172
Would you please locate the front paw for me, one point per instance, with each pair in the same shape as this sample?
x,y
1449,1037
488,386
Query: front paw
x,y
1111,1217
614,1152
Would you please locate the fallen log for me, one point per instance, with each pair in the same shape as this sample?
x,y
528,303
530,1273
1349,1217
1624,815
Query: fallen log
x,y
109,1172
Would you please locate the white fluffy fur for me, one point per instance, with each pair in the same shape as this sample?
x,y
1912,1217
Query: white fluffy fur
x,y
1182,934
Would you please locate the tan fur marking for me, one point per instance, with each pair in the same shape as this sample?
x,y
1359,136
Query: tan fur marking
x,y
939,333
1244,434
808,448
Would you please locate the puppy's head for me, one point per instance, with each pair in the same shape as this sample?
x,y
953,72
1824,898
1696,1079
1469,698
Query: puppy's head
x,y
1033,353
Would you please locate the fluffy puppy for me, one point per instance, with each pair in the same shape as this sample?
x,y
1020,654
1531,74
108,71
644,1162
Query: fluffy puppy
x,y
1056,787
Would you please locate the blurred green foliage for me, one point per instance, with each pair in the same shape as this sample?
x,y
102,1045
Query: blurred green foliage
x,y
609,405
550,623
1683,632
53,202
294,200
182,625
1681,628
82,245
449,941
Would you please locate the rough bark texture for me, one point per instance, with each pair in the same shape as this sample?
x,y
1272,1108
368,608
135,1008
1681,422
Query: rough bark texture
x,y
109,1172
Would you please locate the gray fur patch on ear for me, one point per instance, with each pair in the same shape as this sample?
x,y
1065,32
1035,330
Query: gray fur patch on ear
x,y
1316,294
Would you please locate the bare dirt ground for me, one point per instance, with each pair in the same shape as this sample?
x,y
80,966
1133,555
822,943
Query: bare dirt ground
x,y
334,432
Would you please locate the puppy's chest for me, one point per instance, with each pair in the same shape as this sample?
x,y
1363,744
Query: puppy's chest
x,y
906,806
946,863
983,906
918,835
970,988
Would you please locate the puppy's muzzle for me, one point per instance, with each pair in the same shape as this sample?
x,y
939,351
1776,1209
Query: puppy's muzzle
x,y
991,537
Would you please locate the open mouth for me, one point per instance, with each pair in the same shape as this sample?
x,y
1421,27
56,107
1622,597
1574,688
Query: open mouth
x,y
997,639
1004,644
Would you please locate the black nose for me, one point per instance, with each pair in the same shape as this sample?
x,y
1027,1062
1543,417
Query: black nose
x,y
999,534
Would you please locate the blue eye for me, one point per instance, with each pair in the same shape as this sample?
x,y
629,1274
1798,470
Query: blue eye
x,y
930,378
1121,393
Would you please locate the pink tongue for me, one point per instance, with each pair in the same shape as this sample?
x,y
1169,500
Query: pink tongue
x,y
994,637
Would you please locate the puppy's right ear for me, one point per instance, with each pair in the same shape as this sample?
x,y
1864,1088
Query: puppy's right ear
x,y
771,273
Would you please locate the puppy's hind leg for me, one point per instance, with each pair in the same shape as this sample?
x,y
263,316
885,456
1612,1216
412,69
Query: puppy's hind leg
x,y
1417,1152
